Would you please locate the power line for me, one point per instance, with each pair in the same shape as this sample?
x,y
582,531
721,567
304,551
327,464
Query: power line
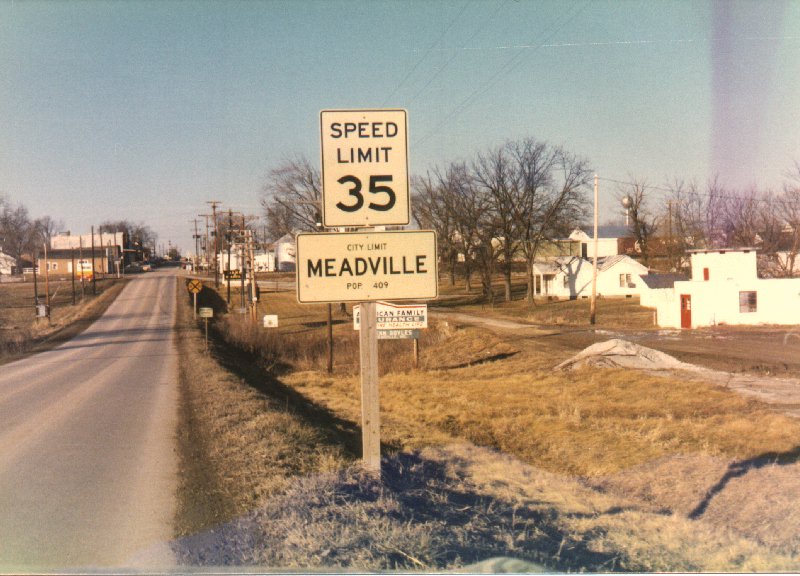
x,y
428,51
707,194
480,28
512,63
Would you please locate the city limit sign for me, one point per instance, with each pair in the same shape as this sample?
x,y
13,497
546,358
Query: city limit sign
x,y
367,266
364,168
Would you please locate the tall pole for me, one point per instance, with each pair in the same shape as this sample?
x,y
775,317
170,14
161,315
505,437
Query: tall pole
x,y
35,283
229,236
214,204
94,272
80,264
205,245
46,283
196,246
593,307
72,254
253,280
242,262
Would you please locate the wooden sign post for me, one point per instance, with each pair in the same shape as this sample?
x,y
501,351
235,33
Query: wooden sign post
x,y
370,412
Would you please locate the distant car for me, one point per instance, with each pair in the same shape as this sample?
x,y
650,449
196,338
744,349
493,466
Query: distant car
x,y
133,268
146,267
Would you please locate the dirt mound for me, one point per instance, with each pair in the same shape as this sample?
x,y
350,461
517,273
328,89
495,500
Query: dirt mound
x,y
618,353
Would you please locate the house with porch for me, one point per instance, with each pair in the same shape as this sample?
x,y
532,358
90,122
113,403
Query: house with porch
x,y
570,277
725,289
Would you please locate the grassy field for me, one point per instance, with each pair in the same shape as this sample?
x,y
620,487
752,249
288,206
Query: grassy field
x,y
612,312
21,331
671,456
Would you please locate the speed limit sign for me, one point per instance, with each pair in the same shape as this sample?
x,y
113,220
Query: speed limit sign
x,y
364,168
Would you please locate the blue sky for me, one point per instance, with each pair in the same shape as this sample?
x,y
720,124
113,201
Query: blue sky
x,y
146,110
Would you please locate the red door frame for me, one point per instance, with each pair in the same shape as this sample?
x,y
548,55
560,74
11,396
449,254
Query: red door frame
x,y
686,310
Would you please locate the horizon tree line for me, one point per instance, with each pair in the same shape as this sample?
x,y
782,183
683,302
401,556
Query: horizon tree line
x,y
507,203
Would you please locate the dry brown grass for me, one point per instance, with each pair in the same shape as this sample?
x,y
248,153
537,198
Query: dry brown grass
x,y
239,445
624,432
21,331
612,312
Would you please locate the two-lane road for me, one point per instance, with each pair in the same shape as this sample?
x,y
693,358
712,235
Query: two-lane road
x,y
88,463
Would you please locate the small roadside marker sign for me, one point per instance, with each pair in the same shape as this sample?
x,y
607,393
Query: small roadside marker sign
x,y
270,321
205,312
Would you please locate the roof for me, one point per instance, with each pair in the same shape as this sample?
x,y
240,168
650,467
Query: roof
x,y
609,261
720,250
655,281
606,231
553,265
68,253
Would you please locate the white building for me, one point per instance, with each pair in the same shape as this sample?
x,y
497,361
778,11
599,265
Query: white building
x,y
611,240
86,241
285,253
725,289
265,262
7,263
571,277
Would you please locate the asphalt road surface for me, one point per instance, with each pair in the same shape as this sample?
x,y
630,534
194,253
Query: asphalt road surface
x,y
88,466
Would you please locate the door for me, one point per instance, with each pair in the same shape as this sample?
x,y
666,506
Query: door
x,y
686,310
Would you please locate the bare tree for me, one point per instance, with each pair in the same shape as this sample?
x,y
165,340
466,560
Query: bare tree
x,y
550,200
137,234
432,210
291,197
17,231
45,228
495,173
636,196
789,209
697,218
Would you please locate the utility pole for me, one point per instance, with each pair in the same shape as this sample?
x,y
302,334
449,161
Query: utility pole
x,y
196,237
35,285
242,261
669,234
214,204
94,271
72,254
593,305
46,283
253,281
80,265
205,244
229,237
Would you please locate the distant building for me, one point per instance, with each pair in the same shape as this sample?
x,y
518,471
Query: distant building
x,y
571,277
61,263
8,264
286,253
725,289
86,241
611,240
265,262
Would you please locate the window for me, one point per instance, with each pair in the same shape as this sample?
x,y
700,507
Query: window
x,y
747,302
624,280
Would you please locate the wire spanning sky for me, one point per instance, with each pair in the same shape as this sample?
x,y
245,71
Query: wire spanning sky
x,y
145,110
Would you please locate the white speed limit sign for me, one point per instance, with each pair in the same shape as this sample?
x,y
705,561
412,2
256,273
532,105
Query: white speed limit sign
x,y
364,168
